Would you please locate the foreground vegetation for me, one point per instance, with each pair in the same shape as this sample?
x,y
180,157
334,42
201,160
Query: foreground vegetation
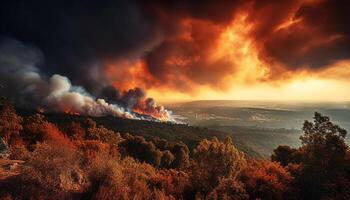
x,y
83,160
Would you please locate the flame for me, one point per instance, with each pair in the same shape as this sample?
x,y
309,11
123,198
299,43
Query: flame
x,y
161,116
65,110
147,106
70,112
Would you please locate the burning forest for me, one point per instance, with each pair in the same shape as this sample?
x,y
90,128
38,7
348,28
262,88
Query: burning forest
x,y
164,99
23,83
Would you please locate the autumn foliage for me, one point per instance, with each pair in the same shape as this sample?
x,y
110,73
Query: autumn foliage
x,y
88,161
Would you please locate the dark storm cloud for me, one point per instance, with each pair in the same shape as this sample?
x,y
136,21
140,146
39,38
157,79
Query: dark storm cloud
x,y
76,36
219,11
318,36
191,30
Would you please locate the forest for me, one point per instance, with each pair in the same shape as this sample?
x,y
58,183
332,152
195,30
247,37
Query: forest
x,y
43,158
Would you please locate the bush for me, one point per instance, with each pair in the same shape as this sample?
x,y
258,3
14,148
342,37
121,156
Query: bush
x,y
143,151
52,172
19,152
55,167
120,179
229,189
10,122
213,161
37,129
171,182
266,180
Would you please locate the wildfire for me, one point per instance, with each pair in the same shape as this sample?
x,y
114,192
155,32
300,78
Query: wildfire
x,y
161,116
70,112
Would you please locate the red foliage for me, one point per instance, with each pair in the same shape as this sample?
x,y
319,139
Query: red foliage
x,y
76,131
172,182
36,129
266,180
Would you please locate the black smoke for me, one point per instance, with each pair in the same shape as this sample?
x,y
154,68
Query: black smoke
x,y
76,37
23,83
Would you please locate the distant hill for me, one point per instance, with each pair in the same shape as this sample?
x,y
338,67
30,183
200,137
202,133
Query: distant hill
x,y
254,141
266,114
261,140
254,129
245,138
261,125
190,135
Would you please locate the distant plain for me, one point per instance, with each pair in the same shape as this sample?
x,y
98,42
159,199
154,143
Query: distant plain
x,y
259,125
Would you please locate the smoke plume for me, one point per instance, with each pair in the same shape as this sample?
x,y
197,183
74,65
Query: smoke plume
x,y
22,82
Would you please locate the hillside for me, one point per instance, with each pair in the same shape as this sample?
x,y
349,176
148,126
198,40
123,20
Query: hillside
x,y
260,140
61,156
254,141
190,135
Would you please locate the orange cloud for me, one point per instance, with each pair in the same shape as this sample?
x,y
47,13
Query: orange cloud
x,y
267,45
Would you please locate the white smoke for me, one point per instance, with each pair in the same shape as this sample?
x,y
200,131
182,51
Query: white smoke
x,y
23,83
62,96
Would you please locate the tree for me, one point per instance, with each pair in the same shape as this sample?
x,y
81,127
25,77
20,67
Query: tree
x,y
285,155
320,164
167,158
181,153
323,141
76,131
266,180
10,122
103,134
229,189
213,161
171,181
324,149
37,129
140,149
52,172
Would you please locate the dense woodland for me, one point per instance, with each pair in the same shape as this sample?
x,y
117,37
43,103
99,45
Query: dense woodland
x,y
84,160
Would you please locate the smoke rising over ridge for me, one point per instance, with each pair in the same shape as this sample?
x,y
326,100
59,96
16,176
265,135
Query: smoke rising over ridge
x,y
23,83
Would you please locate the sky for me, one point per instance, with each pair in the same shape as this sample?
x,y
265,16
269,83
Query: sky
x,y
185,50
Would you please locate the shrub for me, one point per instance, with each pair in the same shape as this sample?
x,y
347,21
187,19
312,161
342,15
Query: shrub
x,y
10,122
228,189
143,151
171,182
37,129
213,161
52,172
19,152
103,134
116,179
266,180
